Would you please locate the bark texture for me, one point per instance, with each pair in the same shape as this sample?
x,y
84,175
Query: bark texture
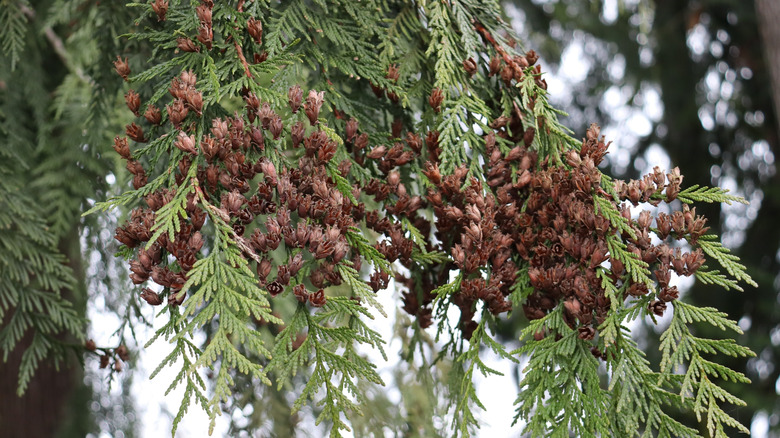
x,y
768,14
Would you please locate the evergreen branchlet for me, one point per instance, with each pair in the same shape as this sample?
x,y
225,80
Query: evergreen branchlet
x,y
273,142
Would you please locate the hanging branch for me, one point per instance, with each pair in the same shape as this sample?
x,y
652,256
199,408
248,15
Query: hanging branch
x,y
440,154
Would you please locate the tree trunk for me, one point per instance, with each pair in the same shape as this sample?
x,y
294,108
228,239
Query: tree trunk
x,y
56,403
768,14
40,411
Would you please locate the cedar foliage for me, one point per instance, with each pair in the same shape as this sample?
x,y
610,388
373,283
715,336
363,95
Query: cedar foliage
x,y
660,60
281,150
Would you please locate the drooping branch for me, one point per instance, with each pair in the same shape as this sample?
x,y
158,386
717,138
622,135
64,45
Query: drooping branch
x,y
57,45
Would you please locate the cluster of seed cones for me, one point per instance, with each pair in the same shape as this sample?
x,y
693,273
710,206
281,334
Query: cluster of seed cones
x,y
540,219
299,208
530,220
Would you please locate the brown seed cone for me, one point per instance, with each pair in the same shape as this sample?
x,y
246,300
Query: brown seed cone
x,y
133,101
318,299
151,297
300,292
255,28
153,115
470,66
294,98
122,352
121,147
313,105
135,132
435,99
187,45
275,288
121,67
160,8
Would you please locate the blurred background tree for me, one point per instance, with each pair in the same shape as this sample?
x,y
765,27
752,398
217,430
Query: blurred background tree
x,y
58,113
699,80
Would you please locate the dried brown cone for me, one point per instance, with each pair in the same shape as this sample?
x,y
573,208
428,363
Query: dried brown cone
x,y
301,294
160,8
531,56
313,105
667,294
206,35
133,101
470,66
151,297
586,332
187,45
186,143
657,307
153,115
350,130
259,58
177,112
275,288
294,98
204,14
121,147
194,100
175,298
494,66
435,99
318,299
255,28
121,67
122,352
136,133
